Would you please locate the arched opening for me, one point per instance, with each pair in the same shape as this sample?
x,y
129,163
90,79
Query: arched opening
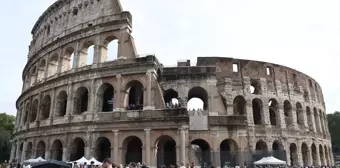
x,y
87,54
322,156
287,109
26,114
20,151
53,65
133,146
166,151
305,153
326,156
278,151
171,99
34,111
261,150
257,111
322,121
273,111
316,120
240,105
81,100
45,107
29,149
105,97
194,95
310,119
41,70
110,51
103,149
41,147
200,152
61,106
299,114
293,156
255,86
33,76
67,61
134,95
57,150
314,154
228,152
77,149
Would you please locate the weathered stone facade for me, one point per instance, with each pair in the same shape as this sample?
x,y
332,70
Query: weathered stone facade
x,y
64,113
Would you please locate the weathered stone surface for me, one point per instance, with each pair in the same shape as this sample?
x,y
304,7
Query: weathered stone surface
x,y
53,118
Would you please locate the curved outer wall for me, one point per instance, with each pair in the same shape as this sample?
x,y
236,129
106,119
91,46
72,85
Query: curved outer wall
x,y
68,108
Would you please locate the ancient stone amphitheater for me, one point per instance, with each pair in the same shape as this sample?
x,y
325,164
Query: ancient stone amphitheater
x,y
125,108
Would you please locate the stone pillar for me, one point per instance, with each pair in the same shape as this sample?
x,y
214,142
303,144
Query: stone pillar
x,y
149,104
116,146
147,146
299,155
183,145
18,152
65,154
87,152
47,154
310,156
69,106
23,154
92,97
126,45
282,117
318,162
119,103
294,117
313,120
13,149
52,107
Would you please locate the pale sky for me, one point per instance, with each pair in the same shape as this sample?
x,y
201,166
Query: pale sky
x,y
301,34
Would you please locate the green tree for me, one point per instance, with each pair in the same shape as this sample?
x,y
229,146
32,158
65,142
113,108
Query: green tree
x,y
334,125
6,130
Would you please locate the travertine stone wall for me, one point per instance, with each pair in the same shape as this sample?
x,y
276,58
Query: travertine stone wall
x,y
256,107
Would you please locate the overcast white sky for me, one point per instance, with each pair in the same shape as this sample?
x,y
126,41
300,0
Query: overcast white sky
x,y
301,34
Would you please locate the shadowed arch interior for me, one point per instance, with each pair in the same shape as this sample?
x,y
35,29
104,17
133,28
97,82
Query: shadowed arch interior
x,y
228,151
57,150
41,147
134,99
257,111
316,120
105,97
278,150
166,151
239,105
310,118
77,149
81,100
305,153
34,110
293,154
201,151
314,154
103,148
133,146
45,107
200,93
61,105
321,154
171,98
299,114
287,109
273,111
29,149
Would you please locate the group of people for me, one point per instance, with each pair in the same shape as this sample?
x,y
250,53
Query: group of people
x,y
135,107
108,163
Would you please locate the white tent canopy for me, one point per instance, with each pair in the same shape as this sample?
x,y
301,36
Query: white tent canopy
x,y
39,159
96,162
270,161
82,160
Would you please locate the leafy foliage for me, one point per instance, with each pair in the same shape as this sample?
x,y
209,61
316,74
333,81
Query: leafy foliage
x,y
6,130
334,124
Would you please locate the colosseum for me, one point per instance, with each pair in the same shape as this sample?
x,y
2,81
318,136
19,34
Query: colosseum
x,y
125,108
